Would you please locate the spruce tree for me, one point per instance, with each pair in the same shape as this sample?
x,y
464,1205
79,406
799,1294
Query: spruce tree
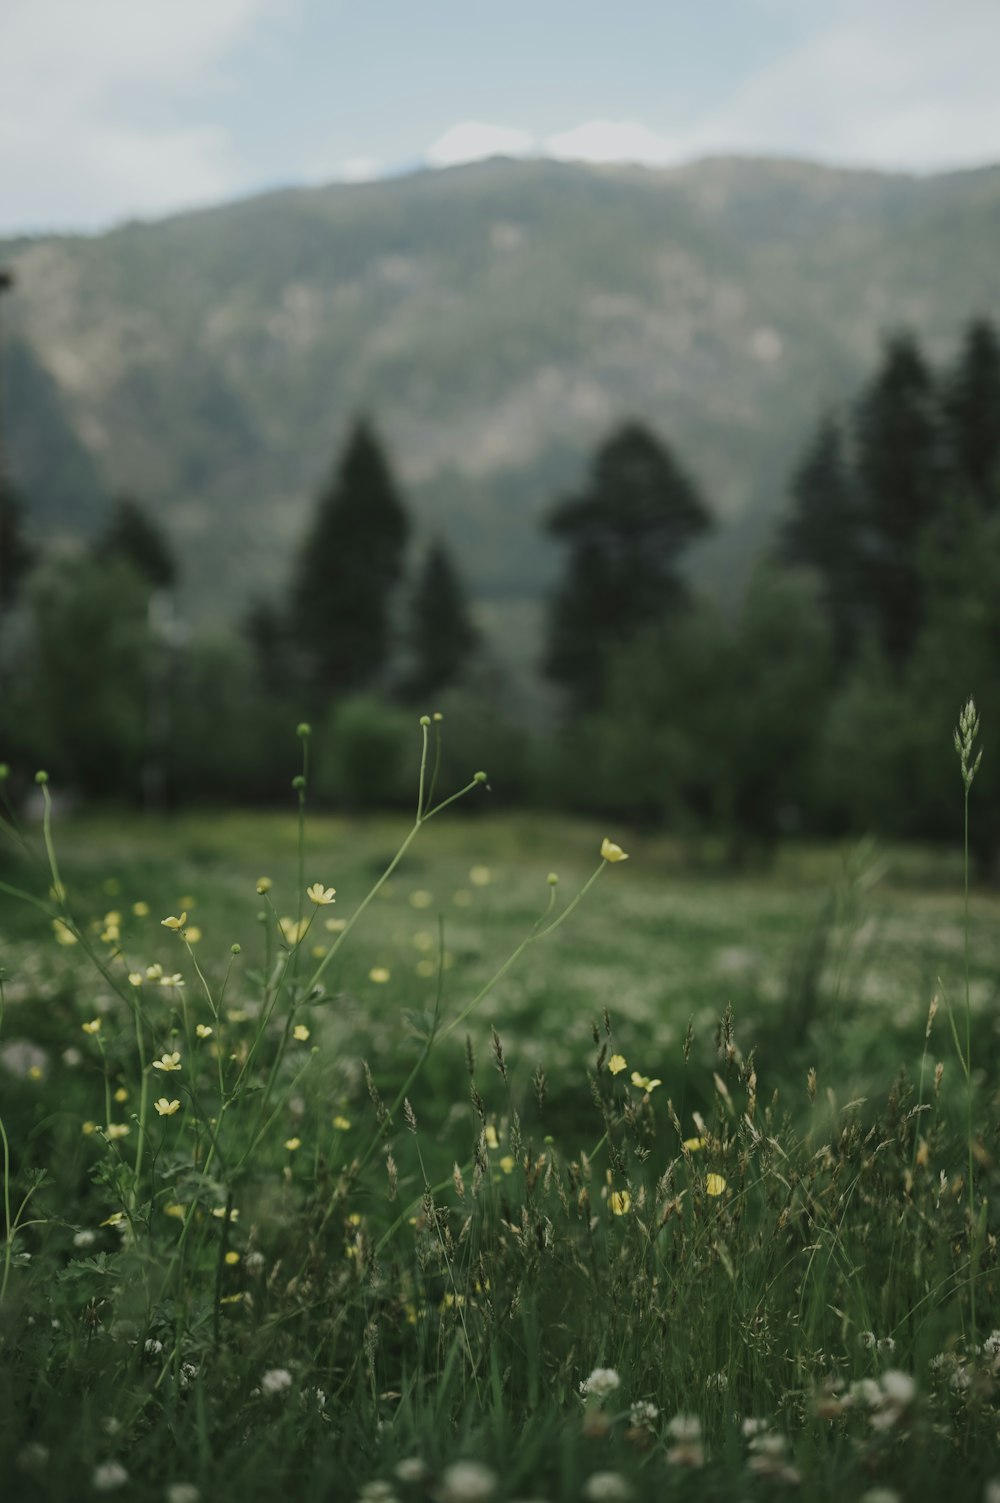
x,y
902,489
16,555
442,636
822,533
131,534
626,532
972,407
349,565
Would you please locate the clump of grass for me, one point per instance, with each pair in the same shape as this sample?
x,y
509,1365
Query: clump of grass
x,y
238,1257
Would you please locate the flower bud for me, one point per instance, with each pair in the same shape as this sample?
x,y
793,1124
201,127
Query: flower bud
x,y
479,777
303,729
299,783
425,720
234,949
41,778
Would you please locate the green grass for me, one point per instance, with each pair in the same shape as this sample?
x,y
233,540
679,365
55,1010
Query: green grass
x,y
447,1296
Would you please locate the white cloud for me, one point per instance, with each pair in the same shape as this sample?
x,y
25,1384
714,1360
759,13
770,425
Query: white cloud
x,y
358,169
472,140
90,128
612,141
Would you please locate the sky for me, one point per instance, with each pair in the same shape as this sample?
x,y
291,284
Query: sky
x,y
119,109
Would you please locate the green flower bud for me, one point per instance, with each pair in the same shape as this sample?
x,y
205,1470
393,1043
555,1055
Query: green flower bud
x,y
41,778
234,949
299,783
552,878
303,729
479,777
425,720
437,717
4,771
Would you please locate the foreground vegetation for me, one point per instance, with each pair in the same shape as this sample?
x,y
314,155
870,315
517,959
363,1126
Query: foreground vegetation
x,y
682,1204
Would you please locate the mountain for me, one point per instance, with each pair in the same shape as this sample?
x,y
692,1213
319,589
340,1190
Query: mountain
x,y
496,320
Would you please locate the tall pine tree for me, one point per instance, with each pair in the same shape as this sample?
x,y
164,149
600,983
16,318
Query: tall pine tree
x,y
626,533
347,570
822,533
972,407
442,635
132,534
902,489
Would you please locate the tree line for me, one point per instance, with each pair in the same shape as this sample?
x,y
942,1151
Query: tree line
x,y
821,702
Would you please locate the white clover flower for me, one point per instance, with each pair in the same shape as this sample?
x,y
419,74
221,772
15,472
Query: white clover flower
x,y
377,1491
606,1487
602,1382
467,1482
684,1427
85,1238
275,1380
153,1348
108,1476
411,1469
643,1415
182,1492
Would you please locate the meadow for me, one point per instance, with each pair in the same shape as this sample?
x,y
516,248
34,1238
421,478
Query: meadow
x,y
522,1172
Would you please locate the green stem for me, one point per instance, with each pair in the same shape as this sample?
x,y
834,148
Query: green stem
x,y
968,1073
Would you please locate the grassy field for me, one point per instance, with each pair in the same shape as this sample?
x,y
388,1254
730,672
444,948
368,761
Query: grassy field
x,y
391,1245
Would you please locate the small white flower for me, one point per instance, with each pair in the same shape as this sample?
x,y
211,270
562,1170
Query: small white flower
x,y
182,1492
377,1491
643,1415
467,1482
275,1380
153,1348
607,1487
602,1382
685,1427
85,1238
411,1469
108,1476
254,1262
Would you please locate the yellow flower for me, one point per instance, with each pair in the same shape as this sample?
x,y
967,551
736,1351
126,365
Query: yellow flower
x,y
335,925
168,1062
232,1258
379,975
113,919
714,1184
154,972
693,1145
617,1063
480,876
175,1209
490,1133
175,923
421,898
320,895
135,978
317,951
220,1213
300,1032
111,935
140,909
237,1014
121,1094
87,1128
621,1202
175,980
643,1082
231,1299
203,1030
264,884
63,933
292,930
94,1026
193,934
118,1130
342,1124
166,1108
507,1164
115,1219
612,852
292,1144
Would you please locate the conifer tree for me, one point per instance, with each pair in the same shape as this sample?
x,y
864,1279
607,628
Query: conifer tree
x,y
902,489
16,555
972,406
442,635
131,534
822,533
348,567
626,532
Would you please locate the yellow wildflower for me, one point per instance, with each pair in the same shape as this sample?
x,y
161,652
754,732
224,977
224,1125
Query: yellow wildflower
x,y
203,1030
94,1026
220,1213
232,1257
693,1145
714,1184
293,930
175,980
166,1108
300,1032
507,1164
335,925
292,1144
117,1130
135,978
193,934
317,951
643,1082
168,1061
617,1063
175,923
425,968
140,909
490,1133
264,884
379,975
110,935
342,1124
612,852
621,1202
115,1219
480,876
63,933
154,972
87,1128
121,1094
320,895
175,1209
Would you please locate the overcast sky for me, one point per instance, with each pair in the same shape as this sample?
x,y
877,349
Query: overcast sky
x,y
111,109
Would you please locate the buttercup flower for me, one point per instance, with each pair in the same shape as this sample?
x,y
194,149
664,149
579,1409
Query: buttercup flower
x,y
612,852
166,1108
117,1130
379,975
63,933
300,1032
174,923
643,1081
203,1030
692,1145
94,1026
714,1184
264,884
621,1202
135,978
168,1062
617,1063
292,1144
320,895
292,930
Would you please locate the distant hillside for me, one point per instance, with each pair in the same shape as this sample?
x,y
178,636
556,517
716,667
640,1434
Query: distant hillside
x,y
495,319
